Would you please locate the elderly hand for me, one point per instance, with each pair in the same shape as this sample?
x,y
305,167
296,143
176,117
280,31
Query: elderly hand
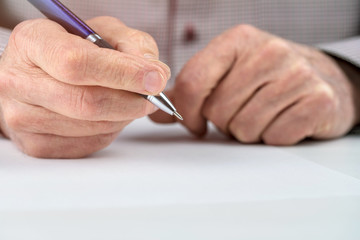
x,y
64,97
258,87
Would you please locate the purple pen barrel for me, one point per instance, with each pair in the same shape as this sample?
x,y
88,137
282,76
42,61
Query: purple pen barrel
x,y
56,11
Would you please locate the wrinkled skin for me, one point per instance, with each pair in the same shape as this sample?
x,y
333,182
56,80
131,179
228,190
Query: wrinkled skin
x,y
258,87
62,96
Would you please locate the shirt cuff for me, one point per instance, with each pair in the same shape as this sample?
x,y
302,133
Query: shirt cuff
x,y
4,38
355,130
348,50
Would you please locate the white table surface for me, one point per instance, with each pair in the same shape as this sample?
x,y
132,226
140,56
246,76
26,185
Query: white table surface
x,y
158,182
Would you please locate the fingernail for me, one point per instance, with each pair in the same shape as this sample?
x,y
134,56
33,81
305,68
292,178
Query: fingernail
x,y
153,82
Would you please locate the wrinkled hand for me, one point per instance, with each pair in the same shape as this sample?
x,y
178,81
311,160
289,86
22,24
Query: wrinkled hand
x,y
64,97
259,87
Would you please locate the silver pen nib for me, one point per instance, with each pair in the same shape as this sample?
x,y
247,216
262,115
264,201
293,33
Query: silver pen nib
x,y
164,104
178,116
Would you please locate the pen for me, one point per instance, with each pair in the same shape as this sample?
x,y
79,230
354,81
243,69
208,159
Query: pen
x,y
58,12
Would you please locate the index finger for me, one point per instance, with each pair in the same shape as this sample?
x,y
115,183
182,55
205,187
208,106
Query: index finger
x,y
124,38
202,74
71,59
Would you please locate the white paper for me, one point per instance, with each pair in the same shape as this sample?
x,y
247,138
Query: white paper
x,y
157,165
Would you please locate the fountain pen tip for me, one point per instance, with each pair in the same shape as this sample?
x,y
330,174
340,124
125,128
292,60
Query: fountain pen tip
x,y
178,116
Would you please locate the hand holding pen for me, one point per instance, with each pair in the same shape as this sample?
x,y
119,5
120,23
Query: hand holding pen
x,y
64,97
58,12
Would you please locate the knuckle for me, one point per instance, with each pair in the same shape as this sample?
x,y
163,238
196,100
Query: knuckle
x,y
272,137
302,70
275,47
150,42
144,37
325,98
87,103
103,140
316,86
71,62
128,76
107,126
44,146
244,30
18,36
22,32
187,86
142,110
37,150
210,114
189,82
149,39
15,120
290,133
100,141
269,139
209,111
245,136
41,146
143,40
278,140
241,129
5,82
325,92
25,31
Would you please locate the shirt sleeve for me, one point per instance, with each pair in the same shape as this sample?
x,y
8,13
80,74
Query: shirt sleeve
x,y
348,50
4,37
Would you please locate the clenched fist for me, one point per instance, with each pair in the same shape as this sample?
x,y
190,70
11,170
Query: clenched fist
x,y
259,87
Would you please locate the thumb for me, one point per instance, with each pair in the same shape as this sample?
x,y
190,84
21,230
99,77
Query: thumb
x,y
161,116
